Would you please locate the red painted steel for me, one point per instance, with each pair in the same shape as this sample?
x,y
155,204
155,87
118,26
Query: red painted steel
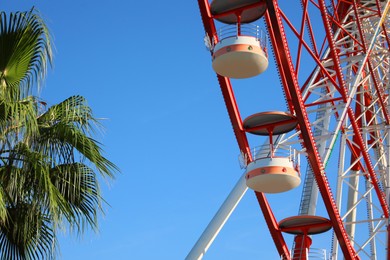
x,y
302,252
288,72
344,94
275,20
375,79
240,134
273,226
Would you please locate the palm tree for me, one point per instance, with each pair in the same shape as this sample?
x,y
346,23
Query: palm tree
x,y
49,162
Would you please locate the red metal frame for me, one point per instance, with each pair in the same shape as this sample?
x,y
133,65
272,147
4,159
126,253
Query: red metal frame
x,y
275,20
284,60
289,81
240,134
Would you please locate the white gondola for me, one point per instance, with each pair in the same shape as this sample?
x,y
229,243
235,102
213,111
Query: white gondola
x,y
239,57
272,175
274,168
239,49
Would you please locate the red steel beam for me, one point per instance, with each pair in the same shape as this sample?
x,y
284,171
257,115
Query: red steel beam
x,y
280,44
240,134
351,115
369,63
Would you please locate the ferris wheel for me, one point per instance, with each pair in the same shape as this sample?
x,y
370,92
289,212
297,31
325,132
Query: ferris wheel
x,y
333,61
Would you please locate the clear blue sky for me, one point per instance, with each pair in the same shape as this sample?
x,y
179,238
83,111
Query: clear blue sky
x,y
144,67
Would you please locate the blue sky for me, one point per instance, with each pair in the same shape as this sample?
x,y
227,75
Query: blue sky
x,y
145,68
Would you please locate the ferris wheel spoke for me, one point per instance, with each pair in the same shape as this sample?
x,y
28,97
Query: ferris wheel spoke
x,y
335,80
351,68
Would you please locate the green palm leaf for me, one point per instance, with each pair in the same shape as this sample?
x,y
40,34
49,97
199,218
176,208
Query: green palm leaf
x,y
18,117
78,184
25,49
49,162
27,234
73,110
64,133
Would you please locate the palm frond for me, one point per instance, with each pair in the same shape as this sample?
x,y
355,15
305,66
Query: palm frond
x,y
72,110
65,131
49,162
25,50
67,137
27,234
78,185
18,118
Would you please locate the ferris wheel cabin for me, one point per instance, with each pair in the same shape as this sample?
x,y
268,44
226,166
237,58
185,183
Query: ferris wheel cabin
x,y
239,49
275,168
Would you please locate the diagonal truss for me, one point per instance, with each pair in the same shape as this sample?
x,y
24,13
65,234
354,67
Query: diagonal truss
x,y
345,95
334,63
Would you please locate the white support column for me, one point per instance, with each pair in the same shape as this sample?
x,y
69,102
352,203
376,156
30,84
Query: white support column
x,y
219,220
387,174
371,226
339,190
387,178
353,192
